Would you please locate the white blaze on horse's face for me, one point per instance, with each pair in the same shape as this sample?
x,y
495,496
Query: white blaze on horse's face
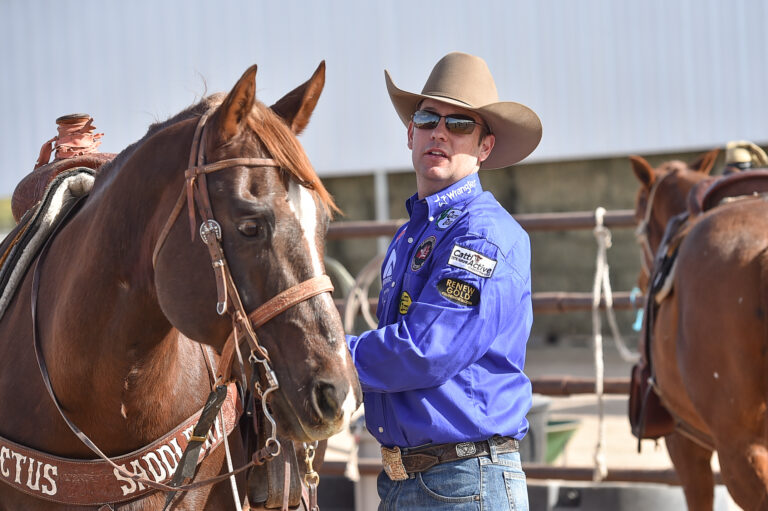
x,y
303,206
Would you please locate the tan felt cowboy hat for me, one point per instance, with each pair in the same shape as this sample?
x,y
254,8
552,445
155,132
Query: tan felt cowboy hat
x,y
465,80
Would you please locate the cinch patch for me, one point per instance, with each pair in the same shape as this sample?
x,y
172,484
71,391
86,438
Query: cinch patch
x,y
447,218
422,252
459,292
472,261
405,302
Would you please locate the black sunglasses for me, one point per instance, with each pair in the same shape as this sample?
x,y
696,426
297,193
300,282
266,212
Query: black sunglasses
x,y
455,123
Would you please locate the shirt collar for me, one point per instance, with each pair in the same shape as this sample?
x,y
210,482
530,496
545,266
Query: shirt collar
x,y
457,194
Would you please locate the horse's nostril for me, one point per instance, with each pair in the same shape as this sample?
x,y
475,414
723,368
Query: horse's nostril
x,y
327,400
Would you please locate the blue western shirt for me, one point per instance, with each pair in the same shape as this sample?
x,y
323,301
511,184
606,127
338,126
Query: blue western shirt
x,y
446,363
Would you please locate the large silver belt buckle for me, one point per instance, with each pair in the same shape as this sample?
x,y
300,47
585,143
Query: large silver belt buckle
x,y
465,449
393,463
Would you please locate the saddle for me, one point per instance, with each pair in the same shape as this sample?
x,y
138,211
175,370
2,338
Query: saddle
x,y
714,191
31,188
75,145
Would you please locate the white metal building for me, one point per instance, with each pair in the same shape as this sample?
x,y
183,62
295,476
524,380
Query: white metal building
x,y
607,77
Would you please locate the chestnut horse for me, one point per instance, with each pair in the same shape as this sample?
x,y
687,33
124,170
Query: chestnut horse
x,y
709,344
125,335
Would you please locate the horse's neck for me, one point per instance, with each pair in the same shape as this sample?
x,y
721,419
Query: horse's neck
x,y
102,260
105,319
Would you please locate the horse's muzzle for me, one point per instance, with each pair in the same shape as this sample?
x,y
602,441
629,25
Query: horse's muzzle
x,y
327,401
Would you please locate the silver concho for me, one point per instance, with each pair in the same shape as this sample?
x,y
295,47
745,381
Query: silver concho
x,y
210,226
465,449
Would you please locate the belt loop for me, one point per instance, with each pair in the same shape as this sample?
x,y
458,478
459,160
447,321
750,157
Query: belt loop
x,y
492,447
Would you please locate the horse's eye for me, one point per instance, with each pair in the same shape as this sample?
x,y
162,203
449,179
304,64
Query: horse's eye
x,y
253,229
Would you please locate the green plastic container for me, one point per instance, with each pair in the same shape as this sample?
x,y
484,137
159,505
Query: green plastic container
x,y
559,432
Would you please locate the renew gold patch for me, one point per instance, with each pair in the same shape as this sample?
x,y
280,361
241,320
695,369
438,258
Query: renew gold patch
x,y
459,292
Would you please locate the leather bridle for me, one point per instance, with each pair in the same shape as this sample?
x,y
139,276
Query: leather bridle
x,y
195,193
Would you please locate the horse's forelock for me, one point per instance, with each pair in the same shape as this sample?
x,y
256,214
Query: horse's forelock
x,y
283,146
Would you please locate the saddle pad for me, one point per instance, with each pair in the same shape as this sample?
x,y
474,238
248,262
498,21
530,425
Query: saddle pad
x,y
23,243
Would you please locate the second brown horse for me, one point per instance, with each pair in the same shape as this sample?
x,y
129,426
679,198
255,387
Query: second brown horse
x,y
710,339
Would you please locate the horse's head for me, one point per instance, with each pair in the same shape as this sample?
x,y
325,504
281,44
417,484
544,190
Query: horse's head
x,y
273,217
662,195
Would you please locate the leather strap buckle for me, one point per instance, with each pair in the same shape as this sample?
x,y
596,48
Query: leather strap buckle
x,y
393,463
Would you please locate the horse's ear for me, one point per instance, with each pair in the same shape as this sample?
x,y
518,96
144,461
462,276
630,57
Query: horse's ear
x,y
643,170
237,104
297,106
706,162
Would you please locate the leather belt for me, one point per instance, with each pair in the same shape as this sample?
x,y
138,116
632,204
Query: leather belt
x,y
398,464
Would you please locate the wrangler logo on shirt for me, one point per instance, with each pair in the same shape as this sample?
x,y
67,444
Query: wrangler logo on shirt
x,y
472,261
459,292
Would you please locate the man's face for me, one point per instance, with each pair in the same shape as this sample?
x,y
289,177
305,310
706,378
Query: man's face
x,y
441,158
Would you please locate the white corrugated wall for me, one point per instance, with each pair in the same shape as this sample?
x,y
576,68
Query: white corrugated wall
x,y
607,77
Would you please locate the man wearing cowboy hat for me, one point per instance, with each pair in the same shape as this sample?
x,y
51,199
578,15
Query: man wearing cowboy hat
x,y
445,392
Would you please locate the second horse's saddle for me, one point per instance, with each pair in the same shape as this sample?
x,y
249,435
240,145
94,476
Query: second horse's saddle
x,y
717,190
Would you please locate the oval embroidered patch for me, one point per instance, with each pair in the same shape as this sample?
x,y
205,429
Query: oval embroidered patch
x,y
422,252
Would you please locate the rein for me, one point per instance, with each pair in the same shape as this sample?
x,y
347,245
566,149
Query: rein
x,y
195,193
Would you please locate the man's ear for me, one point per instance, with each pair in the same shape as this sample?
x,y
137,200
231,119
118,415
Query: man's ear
x,y
410,135
486,146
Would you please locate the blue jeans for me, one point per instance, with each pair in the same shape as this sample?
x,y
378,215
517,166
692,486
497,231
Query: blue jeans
x,y
489,483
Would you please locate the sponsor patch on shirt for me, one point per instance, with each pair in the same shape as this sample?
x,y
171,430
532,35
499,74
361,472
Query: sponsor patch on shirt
x,y
459,292
422,252
447,218
472,261
405,302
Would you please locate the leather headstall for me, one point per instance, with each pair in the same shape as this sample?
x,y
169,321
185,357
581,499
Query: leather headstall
x,y
244,325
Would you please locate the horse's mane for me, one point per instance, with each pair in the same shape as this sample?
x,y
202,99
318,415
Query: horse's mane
x,y
276,136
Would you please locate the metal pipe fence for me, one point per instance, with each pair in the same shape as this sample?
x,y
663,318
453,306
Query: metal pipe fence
x,y
565,221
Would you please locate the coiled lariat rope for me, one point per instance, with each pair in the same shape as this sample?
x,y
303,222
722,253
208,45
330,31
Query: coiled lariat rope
x,y
75,137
